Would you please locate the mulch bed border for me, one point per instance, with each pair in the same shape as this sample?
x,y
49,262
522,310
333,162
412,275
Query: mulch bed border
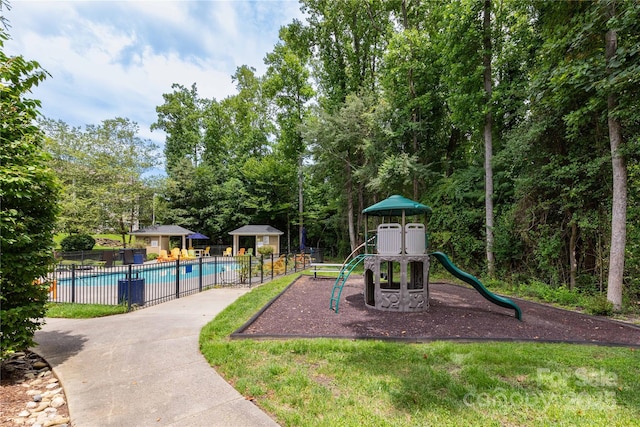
x,y
239,333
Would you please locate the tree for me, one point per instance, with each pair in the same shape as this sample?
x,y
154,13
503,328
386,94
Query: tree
x,y
70,159
287,83
28,199
101,169
619,167
340,143
586,100
349,38
180,117
488,133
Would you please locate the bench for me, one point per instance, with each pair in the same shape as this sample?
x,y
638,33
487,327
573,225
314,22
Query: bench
x,y
325,268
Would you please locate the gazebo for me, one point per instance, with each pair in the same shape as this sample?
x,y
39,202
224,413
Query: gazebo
x,y
265,235
156,237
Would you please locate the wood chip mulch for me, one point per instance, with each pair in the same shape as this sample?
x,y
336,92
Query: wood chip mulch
x,y
455,313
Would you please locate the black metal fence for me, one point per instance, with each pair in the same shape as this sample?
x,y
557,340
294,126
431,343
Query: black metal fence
x,y
103,256
149,283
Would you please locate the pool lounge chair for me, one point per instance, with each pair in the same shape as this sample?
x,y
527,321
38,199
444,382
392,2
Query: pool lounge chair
x,y
241,252
184,255
107,257
207,252
227,252
164,257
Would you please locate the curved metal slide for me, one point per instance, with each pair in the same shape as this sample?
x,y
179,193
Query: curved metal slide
x,y
473,281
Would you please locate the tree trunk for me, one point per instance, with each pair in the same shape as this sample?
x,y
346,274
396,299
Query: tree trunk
x,y
123,231
573,263
414,112
350,209
488,141
300,200
360,216
619,202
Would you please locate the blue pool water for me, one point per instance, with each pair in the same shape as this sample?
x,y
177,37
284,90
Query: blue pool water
x,y
151,274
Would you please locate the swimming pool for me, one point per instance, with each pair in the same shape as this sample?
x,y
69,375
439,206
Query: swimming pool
x,y
151,273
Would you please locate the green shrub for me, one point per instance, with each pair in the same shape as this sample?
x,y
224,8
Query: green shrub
x,y
599,306
265,250
29,192
152,256
77,242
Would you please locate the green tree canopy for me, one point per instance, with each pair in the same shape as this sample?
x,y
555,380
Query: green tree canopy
x,y
28,200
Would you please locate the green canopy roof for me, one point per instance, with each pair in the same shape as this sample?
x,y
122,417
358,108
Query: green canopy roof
x,y
394,205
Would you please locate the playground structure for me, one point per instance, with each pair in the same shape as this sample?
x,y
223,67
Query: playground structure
x,y
396,267
396,277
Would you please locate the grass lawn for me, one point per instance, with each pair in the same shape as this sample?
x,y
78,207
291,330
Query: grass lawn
x,y
331,382
83,311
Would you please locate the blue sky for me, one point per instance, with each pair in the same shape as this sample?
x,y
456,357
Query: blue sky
x,y
112,59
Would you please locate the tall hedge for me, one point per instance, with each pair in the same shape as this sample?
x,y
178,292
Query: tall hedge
x,y
77,242
28,205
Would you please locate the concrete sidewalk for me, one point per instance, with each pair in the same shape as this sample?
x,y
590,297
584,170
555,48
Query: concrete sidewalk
x,y
144,368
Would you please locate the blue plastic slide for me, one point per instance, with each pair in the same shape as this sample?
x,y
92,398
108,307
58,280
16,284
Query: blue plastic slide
x,y
473,281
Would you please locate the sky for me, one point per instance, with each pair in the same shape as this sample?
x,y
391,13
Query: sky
x,y
111,59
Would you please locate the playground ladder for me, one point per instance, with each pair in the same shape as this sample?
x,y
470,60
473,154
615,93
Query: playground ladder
x,y
345,271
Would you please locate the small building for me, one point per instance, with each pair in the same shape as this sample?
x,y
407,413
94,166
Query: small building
x,y
264,235
156,237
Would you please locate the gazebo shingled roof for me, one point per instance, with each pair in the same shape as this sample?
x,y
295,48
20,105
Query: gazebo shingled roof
x,y
251,230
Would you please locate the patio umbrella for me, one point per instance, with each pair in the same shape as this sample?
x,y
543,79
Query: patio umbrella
x,y
197,236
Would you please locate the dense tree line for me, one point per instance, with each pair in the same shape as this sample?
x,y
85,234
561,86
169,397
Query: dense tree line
x,y
516,121
101,168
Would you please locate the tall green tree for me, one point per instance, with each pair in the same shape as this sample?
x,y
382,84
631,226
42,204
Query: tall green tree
x,y
181,118
340,143
349,38
101,168
70,159
593,84
287,83
411,79
28,204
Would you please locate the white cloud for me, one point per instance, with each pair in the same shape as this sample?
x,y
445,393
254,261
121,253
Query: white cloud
x,y
116,59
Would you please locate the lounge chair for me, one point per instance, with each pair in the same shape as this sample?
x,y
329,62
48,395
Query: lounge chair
x,y
249,252
184,255
227,252
107,257
164,256
241,252
175,253
207,252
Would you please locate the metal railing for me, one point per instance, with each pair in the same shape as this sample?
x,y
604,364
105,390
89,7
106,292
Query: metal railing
x,y
149,283
98,256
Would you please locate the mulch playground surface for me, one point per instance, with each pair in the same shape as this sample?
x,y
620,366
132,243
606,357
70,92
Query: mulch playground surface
x,y
455,313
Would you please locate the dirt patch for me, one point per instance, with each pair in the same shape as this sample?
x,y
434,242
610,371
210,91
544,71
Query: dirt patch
x,y
455,313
